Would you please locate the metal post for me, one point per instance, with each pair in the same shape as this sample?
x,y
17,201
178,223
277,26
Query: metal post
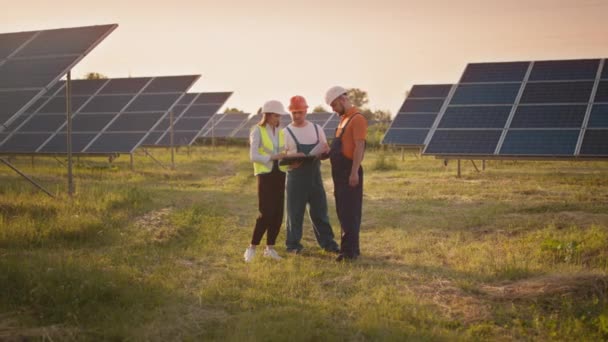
x,y
483,165
131,161
402,154
171,137
474,165
68,112
459,169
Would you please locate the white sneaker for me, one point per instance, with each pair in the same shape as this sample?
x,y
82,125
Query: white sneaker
x,y
249,254
271,253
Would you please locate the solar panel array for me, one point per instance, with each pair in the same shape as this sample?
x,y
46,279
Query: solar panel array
x,y
31,62
110,115
526,109
225,125
322,119
417,115
243,132
191,115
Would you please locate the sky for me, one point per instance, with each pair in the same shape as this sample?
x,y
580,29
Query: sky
x,y
268,49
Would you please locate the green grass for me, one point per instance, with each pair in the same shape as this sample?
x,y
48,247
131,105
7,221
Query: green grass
x,y
519,251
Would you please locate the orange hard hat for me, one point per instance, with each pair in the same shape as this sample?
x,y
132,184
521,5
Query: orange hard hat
x,y
298,103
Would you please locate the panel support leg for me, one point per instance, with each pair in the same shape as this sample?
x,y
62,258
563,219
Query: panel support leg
x,y
459,169
40,187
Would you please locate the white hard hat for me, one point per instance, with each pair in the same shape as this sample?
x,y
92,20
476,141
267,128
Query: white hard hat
x,y
333,93
274,106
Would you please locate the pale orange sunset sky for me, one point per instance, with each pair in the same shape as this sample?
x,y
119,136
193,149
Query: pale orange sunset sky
x,y
275,49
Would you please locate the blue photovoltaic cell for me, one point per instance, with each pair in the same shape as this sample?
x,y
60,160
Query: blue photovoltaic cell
x,y
90,122
219,97
144,103
64,41
43,123
58,144
599,116
413,120
421,106
170,84
605,71
178,110
557,92
37,73
495,72
86,87
134,122
125,85
9,42
582,69
549,116
190,124
540,143
496,94
481,142
187,99
400,136
57,105
13,126
595,143
602,91
24,142
475,117
430,90
106,104
12,102
152,138
115,142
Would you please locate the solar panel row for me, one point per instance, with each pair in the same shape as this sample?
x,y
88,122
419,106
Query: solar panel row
x,y
110,116
538,109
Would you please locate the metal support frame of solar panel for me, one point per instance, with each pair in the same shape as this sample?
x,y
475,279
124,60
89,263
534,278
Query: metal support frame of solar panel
x,y
31,62
414,120
225,126
191,116
110,116
526,110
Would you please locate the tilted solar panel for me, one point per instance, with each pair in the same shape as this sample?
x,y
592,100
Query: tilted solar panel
x,y
526,109
31,62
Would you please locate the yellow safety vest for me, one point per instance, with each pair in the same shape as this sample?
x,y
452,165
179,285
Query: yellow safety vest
x,y
266,149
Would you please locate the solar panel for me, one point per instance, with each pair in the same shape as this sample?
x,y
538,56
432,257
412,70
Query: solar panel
x,y
226,125
415,117
331,125
529,109
31,62
111,120
191,116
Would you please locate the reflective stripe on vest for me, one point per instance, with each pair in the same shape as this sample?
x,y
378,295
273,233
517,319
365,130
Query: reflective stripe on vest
x,y
267,149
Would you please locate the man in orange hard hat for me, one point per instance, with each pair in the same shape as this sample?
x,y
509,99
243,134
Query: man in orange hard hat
x,y
304,182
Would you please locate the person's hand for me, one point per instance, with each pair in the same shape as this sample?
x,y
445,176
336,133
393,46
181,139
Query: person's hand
x,y
277,156
353,180
324,148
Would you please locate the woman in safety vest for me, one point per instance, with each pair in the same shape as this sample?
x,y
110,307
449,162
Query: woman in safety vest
x,y
267,145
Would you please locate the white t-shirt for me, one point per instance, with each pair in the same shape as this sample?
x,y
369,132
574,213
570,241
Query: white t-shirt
x,y
305,135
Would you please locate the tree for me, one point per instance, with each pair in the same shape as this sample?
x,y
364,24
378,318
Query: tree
x,y
95,76
358,97
320,109
233,110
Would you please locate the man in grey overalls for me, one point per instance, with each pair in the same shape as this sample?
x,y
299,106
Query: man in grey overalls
x,y
304,182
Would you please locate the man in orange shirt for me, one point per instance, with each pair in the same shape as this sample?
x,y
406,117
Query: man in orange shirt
x,y
346,155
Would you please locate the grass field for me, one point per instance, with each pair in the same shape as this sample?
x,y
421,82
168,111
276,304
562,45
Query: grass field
x,y
519,251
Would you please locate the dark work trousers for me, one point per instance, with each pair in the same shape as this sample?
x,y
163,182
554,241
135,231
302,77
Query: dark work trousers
x,y
271,203
349,200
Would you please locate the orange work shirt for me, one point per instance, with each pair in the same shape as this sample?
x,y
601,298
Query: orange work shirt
x,y
356,130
